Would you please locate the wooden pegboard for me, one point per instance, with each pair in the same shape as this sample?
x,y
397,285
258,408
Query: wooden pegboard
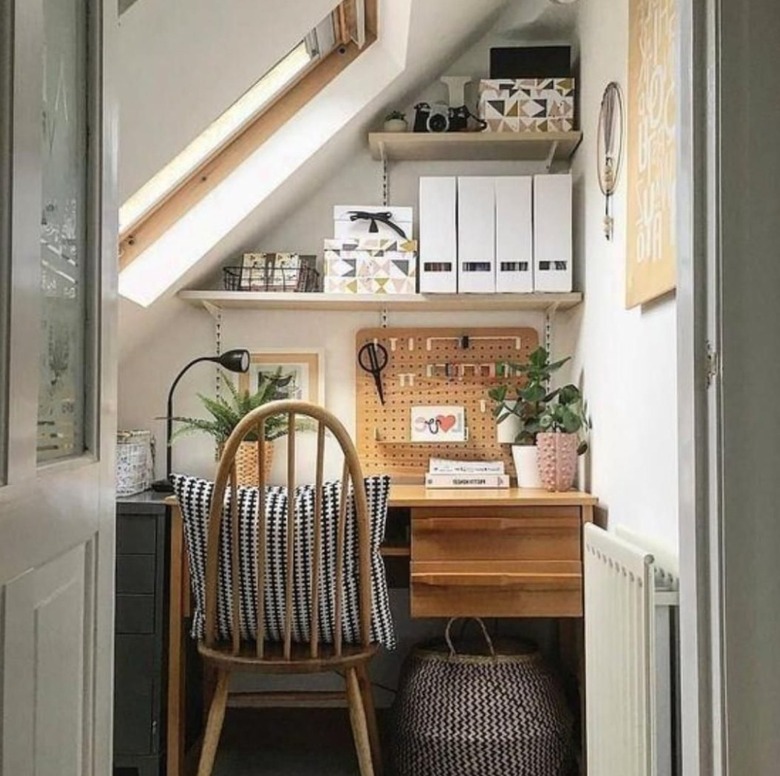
x,y
383,430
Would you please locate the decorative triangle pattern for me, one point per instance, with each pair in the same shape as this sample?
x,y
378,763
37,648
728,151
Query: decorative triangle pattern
x,y
527,104
370,265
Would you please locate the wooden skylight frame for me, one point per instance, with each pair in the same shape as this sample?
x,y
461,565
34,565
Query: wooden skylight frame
x,y
142,233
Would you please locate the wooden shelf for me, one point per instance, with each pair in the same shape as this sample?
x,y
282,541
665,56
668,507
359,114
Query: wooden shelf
x,y
395,550
264,300
519,146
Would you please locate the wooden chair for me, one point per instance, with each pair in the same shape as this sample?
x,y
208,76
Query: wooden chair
x,y
287,657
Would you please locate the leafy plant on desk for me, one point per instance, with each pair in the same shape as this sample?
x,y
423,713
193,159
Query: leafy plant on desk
x,y
227,413
529,402
567,413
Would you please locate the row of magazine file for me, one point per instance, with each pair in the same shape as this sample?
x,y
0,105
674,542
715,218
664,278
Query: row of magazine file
x,y
445,473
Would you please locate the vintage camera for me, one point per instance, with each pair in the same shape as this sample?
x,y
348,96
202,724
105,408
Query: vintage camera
x,y
440,117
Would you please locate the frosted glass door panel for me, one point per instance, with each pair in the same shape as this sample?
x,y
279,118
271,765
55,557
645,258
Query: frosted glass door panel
x,y
61,399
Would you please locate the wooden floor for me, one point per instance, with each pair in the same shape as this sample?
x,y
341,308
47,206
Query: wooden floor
x,y
287,742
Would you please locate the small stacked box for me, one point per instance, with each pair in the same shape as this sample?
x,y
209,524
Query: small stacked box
x,y
372,252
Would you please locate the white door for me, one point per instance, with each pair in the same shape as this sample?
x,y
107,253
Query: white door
x,y
57,387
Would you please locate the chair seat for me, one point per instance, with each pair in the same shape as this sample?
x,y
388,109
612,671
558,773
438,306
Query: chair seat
x,y
274,662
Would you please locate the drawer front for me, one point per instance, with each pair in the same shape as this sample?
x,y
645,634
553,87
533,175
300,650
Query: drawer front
x,y
135,573
136,534
532,589
134,613
135,695
496,534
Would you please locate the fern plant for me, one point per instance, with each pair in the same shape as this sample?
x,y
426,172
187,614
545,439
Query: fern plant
x,y
226,413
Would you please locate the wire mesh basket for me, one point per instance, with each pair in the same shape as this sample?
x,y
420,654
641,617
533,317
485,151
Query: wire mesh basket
x,y
273,272
134,461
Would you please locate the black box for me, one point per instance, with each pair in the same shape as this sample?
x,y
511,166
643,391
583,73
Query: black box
x,y
531,62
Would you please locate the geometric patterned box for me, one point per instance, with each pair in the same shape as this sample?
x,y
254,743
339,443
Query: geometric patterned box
x,y
370,265
527,104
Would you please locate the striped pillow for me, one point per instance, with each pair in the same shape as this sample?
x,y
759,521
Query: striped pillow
x,y
194,496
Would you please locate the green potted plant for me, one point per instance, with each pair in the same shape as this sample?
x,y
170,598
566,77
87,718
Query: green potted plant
x,y
518,411
564,425
227,412
395,121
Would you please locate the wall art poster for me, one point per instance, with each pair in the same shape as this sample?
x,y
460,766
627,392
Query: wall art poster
x,y
438,424
652,150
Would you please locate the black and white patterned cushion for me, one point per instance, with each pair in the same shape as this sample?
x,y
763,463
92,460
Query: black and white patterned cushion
x,y
194,495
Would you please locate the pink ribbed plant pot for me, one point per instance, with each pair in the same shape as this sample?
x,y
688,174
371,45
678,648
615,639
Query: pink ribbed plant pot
x,y
557,460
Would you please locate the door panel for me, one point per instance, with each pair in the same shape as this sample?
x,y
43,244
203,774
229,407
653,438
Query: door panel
x,y
57,519
48,642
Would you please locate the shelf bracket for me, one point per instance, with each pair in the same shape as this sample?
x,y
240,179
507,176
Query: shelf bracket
x,y
551,155
385,178
549,321
212,309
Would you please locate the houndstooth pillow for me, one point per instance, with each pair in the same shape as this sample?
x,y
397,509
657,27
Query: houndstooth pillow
x,y
194,495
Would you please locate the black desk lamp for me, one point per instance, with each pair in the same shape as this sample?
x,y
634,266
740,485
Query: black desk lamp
x,y
234,361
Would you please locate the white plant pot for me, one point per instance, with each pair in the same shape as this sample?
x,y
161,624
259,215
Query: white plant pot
x,y
526,460
507,430
395,125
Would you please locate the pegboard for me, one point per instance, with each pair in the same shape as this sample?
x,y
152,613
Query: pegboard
x,y
435,366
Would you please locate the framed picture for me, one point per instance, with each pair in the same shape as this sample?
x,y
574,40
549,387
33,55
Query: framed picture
x,y
301,374
652,150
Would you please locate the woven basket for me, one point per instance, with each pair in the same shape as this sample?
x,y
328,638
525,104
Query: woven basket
x,y
494,712
246,463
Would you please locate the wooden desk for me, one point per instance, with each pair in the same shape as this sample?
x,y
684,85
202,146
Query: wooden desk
x,y
490,553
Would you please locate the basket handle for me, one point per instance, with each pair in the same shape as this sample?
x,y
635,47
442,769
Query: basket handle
x,y
448,638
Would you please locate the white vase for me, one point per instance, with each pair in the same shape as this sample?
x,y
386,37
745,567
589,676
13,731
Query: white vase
x,y
527,466
395,125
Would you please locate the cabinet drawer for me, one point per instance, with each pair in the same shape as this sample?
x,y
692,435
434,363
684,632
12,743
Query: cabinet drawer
x,y
136,534
134,613
135,573
494,534
496,589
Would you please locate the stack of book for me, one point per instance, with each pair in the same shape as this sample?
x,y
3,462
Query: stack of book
x,y
443,473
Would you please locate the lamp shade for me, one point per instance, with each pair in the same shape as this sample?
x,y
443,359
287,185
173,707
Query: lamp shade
x,y
234,360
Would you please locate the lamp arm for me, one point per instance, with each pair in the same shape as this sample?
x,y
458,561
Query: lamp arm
x,y
169,413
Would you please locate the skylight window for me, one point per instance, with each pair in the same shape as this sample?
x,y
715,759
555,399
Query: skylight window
x,y
312,48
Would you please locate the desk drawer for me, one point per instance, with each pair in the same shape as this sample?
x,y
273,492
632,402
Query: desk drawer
x,y
135,573
134,613
496,589
496,534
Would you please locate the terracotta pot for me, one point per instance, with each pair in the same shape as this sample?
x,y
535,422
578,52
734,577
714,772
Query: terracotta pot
x,y
557,460
526,458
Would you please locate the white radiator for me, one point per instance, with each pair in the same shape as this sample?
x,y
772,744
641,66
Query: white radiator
x,y
629,656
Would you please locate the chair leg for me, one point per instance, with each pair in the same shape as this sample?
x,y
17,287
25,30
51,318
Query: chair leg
x,y
214,724
357,716
367,694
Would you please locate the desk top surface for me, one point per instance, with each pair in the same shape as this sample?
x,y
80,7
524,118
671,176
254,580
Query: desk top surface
x,y
420,496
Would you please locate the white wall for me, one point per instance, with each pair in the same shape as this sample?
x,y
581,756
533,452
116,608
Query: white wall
x,y
626,358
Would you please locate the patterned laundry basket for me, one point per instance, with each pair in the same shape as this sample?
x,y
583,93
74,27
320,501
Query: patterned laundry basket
x,y
498,711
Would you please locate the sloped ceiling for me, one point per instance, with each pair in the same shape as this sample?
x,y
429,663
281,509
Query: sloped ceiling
x,y
422,41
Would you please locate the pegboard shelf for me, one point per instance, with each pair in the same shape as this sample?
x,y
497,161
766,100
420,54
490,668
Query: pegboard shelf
x,y
266,300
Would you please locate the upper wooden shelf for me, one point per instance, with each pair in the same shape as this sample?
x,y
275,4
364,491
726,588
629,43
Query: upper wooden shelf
x,y
518,146
247,300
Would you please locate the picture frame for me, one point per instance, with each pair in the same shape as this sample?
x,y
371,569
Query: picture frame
x,y
304,367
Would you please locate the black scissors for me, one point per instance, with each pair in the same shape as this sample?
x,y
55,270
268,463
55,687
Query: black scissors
x,y
373,358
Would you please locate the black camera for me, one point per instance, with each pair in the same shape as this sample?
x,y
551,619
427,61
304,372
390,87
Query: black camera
x,y
440,117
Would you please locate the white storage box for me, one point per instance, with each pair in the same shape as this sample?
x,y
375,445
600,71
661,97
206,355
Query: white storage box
x,y
527,104
438,236
552,233
514,234
347,224
370,265
476,235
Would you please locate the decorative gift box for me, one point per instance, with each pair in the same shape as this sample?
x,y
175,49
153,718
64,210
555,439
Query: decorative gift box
x,y
370,265
390,222
527,104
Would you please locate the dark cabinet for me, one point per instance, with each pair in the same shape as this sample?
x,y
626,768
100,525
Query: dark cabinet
x,y
142,538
